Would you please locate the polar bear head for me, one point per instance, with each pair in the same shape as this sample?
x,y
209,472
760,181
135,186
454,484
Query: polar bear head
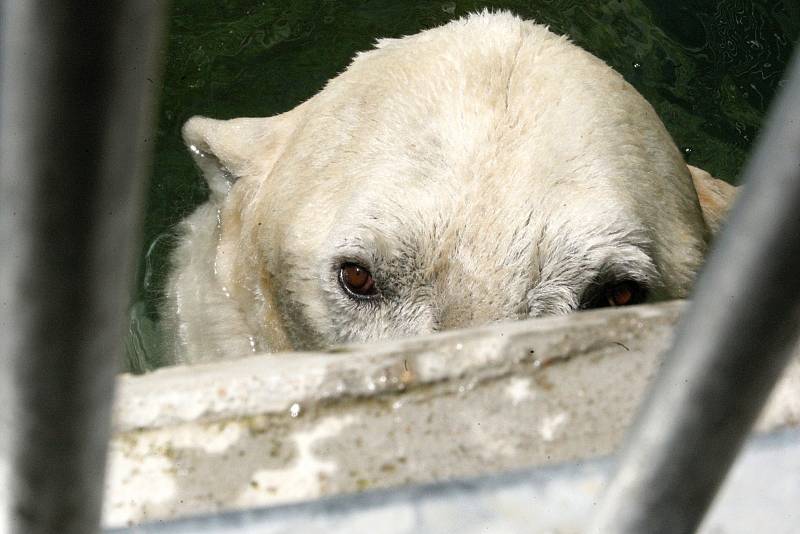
x,y
481,171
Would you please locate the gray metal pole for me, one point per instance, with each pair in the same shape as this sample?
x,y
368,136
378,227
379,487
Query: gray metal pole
x,y
75,105
730,348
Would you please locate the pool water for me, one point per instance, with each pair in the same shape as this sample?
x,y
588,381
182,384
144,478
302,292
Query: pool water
x,y
710,70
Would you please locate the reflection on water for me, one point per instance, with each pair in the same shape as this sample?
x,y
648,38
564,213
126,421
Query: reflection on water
x,y
709,69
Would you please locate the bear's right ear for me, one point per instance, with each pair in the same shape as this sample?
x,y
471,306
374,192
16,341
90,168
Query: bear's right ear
x,y
716,197
228,149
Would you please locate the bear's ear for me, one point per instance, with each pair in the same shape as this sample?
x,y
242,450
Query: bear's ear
x,y
716,197
228,149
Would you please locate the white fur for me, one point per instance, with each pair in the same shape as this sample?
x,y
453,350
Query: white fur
x,y
483,170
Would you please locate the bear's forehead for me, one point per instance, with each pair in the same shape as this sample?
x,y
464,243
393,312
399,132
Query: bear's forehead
x,y
446,225
524,111
449,78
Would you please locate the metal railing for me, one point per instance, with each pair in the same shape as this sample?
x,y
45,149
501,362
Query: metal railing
x,y
75,104
75,109
730,346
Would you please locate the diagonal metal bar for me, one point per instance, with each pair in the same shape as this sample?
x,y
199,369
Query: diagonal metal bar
x,y
730,347
75,105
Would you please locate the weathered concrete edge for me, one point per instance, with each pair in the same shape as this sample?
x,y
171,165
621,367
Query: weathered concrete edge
x,y
281,428
272,383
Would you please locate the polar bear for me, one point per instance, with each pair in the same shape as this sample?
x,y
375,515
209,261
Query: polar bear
x,y
481,171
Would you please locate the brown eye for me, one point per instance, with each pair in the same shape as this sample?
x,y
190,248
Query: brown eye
x,y
624,293
357,281
620,294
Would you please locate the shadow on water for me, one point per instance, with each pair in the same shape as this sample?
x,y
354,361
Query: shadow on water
x,y
710,70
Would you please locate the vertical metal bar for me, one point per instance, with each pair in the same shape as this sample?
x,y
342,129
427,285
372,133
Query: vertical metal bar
x,y
75,105
730,348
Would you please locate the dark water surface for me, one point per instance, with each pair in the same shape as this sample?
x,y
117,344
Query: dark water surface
x,y
708,68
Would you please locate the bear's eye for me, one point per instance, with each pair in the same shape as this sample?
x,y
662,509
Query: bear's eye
x,y
622,293
357,281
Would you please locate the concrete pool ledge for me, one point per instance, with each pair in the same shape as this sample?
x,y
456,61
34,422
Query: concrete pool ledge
x,y
277,428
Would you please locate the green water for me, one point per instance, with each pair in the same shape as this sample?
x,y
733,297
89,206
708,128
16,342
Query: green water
x,y
708,68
